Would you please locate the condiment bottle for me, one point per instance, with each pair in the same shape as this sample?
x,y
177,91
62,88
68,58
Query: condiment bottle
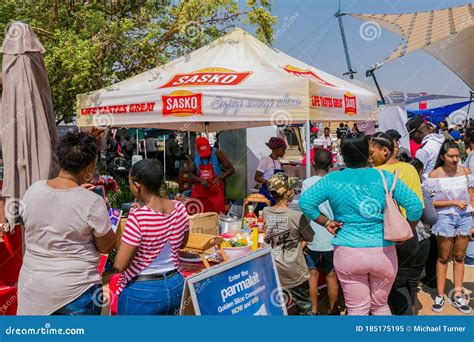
x,y
251,217
260,222
254,239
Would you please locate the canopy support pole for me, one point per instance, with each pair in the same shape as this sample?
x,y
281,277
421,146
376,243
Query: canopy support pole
x,y
307,149
206,126
138,143
370,73
189,142
144,144
164,158
352,70
469,106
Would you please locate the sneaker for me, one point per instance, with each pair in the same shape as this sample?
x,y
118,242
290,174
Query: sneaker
x,y
438,304
459,302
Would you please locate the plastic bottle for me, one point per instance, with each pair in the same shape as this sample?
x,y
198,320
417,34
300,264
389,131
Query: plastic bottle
x,y
251,217
254,238
260,222
245,226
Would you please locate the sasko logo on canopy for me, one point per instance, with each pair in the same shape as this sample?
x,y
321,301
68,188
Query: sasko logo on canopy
x,y
208,77
182,103
306,74
350,104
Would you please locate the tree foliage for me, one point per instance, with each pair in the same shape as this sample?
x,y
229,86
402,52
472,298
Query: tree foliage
x,y
92,44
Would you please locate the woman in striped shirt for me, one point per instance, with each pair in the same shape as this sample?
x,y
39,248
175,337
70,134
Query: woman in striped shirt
x,y
148,255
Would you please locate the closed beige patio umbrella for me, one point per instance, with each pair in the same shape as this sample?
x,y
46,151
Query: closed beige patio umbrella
x,y
27,118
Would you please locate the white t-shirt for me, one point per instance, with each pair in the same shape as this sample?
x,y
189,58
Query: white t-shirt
x,y
267,166
327,141
162,263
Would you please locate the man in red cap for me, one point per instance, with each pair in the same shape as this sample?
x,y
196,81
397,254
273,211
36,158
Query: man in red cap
x,y
210,168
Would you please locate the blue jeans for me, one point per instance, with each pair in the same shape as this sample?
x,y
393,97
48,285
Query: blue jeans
x,y
152,297
89,303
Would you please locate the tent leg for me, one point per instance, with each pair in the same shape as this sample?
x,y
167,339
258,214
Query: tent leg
x,y
138,144
144,144
189,142
164,158
308,147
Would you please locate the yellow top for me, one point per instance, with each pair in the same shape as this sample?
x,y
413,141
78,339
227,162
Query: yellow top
x,y
408,174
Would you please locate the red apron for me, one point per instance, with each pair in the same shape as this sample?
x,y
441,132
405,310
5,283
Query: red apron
x,y
212,198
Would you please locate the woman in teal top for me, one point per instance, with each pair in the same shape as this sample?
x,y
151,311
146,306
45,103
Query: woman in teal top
x,y
365,263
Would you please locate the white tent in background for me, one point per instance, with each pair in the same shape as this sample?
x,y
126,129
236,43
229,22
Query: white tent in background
x,y
447,34
234,82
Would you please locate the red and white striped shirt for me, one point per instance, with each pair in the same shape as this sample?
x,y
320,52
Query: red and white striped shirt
x,y
149,231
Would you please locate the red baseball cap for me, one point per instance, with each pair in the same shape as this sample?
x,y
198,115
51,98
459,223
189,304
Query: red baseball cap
x,y
203,147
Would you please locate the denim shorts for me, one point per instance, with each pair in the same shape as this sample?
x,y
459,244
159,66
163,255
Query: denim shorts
x,y
451,225
316,260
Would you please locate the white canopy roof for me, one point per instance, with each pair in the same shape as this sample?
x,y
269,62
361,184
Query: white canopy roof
x,y
234,82
447,34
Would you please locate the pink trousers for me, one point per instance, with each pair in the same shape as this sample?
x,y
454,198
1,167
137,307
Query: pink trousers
x,y
366,276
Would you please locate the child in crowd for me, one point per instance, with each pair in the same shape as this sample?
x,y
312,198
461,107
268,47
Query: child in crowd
x,y
286,230
320,252
423,231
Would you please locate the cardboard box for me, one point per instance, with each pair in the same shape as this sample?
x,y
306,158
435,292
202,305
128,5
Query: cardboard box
x,y
118,233
205,223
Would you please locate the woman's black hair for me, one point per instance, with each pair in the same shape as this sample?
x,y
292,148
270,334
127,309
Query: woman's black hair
x,y
276,196
444,149
77,150
355,149
149,173
404,157
383,140
469,135
417,164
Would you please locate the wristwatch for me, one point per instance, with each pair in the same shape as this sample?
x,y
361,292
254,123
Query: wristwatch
x,y
328,222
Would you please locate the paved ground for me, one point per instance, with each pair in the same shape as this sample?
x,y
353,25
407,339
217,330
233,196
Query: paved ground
x,y
426,296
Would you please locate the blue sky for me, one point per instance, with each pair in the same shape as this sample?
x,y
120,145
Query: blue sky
x,y
313,36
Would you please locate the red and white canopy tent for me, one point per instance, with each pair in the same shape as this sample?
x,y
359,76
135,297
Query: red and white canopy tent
x,y
234,82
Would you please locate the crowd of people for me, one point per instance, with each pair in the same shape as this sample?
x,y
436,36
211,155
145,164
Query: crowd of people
x,y
119,150
339,231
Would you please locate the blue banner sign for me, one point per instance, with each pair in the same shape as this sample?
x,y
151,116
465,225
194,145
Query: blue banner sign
x,y
247,286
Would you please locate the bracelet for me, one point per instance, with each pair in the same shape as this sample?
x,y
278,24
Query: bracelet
x,y
328,222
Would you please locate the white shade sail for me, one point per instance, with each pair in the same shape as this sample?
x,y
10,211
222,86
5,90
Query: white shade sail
x,y
234,82
447,34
